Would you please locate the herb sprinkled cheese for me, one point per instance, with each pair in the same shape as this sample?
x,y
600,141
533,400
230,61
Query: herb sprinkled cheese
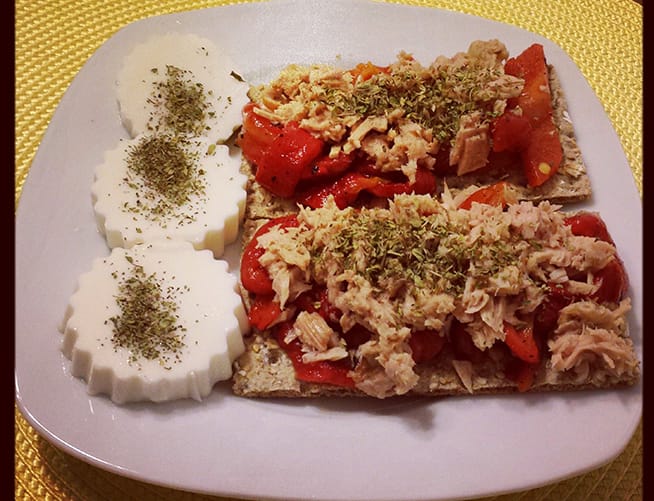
x,y
181,84
164,168
148,323
184,101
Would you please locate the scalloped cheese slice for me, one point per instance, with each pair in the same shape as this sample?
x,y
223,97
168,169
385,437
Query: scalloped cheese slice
x,y
181,83
160,187
189,297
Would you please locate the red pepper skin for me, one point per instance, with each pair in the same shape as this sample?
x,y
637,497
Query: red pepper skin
x,y
547,313
494,194
425,184
264,310
542,154
254,277
326,372
510,132
522,343
283,164
258,133
325,167
535,99
588,224
426,344
613,282
521,373
345,191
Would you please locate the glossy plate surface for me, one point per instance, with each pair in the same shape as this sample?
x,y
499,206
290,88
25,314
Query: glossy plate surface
x,y
404,449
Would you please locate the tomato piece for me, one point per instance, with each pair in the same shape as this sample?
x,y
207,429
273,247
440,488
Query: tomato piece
x,y
543,155
258,133
462,343
613,282
281,167
329,372
494,194
254,277
264,310
345,190
327,166
510,132
522,343
588,224
535,100
426,344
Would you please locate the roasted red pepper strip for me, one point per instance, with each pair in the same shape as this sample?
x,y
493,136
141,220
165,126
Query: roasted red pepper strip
x,y
345,190
254,277
510,132
264,310
535,99
365,71
588,224
330,372
542,155
258,133
494,194
521,373
522,343
613,282
326,166
426,344
283,164
424,185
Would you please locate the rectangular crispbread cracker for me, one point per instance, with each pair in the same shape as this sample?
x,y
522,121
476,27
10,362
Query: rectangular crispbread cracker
x,y
265,370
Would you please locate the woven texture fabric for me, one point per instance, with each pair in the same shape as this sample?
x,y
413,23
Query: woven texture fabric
x,y
54,38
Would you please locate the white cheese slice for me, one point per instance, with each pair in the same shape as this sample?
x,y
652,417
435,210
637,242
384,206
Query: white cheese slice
x,y
180,65
130,210
210,323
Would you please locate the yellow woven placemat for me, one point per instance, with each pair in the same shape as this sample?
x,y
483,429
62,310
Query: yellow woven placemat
x,y
54,38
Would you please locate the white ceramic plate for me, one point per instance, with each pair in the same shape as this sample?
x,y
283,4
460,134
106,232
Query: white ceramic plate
x,y
318,449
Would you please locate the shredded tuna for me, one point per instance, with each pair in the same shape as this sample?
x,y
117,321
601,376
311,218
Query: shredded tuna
x,y
401,116
313,331
471,144
419,263
592,336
